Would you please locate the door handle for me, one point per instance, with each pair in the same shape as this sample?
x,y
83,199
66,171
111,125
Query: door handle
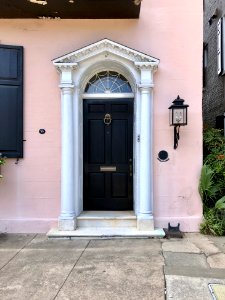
x,y
108,168
107,119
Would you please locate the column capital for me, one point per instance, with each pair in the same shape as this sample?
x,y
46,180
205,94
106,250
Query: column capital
x,y
151,66
145,87
66,71
66,87
146,70
65,67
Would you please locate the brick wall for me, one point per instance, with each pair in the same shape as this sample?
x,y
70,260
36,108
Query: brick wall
x,y
214,90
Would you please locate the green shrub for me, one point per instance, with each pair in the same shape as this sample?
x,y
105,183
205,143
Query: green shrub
x,y
212,183
213,139
214,222
208,188
214,156
2,162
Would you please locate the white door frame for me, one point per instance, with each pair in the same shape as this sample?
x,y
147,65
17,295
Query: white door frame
x,y
76,69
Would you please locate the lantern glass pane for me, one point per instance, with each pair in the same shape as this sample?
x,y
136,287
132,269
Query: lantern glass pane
x,y
171,116
178,116
185,116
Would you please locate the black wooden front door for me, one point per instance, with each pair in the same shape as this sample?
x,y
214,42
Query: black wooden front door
x,y
108,154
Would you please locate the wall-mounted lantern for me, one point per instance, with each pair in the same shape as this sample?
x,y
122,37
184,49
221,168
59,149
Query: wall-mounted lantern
x,y
178,117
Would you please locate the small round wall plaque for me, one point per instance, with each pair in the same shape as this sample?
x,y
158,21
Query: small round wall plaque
x,y
163,156
42,131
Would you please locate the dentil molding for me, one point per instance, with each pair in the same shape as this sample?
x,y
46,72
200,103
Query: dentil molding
x,y
107,47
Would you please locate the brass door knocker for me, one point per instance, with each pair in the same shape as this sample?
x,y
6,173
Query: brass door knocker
x,y
107,119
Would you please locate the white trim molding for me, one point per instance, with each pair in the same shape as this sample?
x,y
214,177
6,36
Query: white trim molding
x,y
107,46
76,69
108,96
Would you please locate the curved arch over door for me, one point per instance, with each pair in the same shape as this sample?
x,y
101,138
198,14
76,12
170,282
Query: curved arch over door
x,y
108,82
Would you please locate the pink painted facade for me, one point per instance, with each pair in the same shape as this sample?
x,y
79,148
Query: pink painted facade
x,y
169,30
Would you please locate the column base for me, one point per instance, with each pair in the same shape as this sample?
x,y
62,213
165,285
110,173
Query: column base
x,y
67,224
145,223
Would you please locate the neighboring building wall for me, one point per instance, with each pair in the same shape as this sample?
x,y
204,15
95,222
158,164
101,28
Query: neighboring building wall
x,y
169,30
214,90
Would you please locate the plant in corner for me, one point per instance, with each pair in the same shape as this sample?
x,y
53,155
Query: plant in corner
x,y
208,187
214,219
2,162
212,183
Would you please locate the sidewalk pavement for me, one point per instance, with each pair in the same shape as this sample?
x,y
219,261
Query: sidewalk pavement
x,y
33,267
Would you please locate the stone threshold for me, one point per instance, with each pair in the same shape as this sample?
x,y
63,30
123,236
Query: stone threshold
x,y
106,232
107,215
108,219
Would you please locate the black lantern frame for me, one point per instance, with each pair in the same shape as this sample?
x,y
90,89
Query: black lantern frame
x,y
178,117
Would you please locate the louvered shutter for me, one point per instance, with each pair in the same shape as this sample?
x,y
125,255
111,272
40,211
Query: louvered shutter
x,y
223,45
219,47
11,101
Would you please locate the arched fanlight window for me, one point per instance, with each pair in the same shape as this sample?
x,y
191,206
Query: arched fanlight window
x,y
108,82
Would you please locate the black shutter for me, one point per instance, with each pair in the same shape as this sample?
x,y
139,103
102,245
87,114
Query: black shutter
x,y
11,101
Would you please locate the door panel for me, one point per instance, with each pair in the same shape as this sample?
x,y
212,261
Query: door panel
x,y
96,108
96,137
119,108
119,141
96,185
119,185
108,155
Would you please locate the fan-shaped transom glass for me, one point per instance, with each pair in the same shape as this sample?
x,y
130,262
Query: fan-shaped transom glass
x,y
108,82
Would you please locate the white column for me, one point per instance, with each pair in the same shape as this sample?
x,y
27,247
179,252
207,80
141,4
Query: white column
x,y
67,220
78,158
145,214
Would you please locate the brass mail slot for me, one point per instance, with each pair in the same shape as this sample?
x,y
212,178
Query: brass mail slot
x,y
108,168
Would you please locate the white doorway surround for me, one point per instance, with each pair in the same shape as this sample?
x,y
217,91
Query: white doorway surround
x,y
75,70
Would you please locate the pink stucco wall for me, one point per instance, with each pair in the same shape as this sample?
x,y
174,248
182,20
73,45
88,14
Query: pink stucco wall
x,y
169,30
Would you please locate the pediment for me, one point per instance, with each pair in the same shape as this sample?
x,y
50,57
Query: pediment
x,y
105,46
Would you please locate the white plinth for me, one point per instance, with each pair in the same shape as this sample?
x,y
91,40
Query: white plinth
x,y
67,224
145,224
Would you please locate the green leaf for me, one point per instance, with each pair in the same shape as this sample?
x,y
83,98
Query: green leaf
x,y
220,204
206,181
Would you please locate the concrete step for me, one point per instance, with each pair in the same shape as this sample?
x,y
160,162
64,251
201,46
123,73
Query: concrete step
x,y
109,219
105,232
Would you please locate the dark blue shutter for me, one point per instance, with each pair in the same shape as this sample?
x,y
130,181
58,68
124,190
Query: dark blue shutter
x,y
11,101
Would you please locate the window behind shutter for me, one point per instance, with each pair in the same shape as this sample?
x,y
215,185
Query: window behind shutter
x,y
223,45
219,46
11,101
